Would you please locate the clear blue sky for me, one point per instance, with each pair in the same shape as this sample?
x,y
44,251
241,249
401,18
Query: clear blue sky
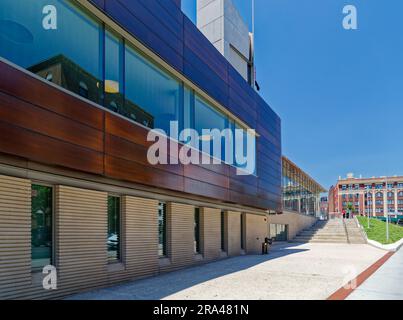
x,y
339,93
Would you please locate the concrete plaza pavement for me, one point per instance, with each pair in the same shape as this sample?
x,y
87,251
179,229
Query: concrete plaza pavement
x,y
385,284
290,271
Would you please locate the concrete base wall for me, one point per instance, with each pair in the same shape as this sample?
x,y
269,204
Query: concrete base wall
x,y
256,231
180,236
296,222
80,239
233,233
210,233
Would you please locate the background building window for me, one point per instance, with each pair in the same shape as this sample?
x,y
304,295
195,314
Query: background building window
x,y
114,235
83,89
162,230
41,226
49,76
197,231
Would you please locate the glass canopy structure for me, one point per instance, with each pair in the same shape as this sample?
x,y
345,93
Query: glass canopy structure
x,y
301,193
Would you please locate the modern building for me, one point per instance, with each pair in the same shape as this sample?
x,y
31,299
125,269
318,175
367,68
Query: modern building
x,y
82,83
373,196
324,206
301,203
222,24
301,193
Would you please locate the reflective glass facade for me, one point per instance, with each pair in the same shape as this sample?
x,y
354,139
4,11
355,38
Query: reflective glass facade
x,y
41,226
68,46
162,229
42,36
114,227
300,192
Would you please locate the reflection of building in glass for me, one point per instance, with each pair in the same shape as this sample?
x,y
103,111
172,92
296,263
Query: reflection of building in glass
x,y
324,206
62,71
301,193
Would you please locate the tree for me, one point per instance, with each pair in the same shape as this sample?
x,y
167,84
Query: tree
x,y
350,209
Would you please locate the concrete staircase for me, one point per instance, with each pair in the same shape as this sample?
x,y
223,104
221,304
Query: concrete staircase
x,y
332,231
354,233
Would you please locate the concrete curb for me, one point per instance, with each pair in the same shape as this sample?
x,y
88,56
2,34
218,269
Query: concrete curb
x,y
393,247
388,247
364,234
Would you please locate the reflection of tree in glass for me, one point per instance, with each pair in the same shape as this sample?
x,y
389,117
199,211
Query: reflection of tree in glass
x,y
113,227
41,215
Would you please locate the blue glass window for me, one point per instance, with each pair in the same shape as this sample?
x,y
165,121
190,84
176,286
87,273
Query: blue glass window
x,y
241,146
41,226
67,45
114,82
162,229
114,226
208,118
188,109
150,91
55,40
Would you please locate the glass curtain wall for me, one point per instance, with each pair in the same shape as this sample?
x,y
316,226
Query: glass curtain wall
x,y
114,227
162,230
68,46
41,226
56,41
300,193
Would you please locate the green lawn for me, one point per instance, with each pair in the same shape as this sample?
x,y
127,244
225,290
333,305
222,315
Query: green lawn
x,y
377,230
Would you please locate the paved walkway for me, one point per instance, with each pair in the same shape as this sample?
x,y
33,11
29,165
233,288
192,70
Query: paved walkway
x,y
385,284
290,271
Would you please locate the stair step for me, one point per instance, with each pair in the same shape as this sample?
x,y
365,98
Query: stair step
x,y
308,237
320,241
333,231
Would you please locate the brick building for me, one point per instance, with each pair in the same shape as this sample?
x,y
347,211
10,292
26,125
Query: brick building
x,y
375,196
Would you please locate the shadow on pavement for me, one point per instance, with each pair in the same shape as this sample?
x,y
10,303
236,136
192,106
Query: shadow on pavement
x,y
164,285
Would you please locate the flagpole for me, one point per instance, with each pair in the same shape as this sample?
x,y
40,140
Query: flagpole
x,y
253,19
254,45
